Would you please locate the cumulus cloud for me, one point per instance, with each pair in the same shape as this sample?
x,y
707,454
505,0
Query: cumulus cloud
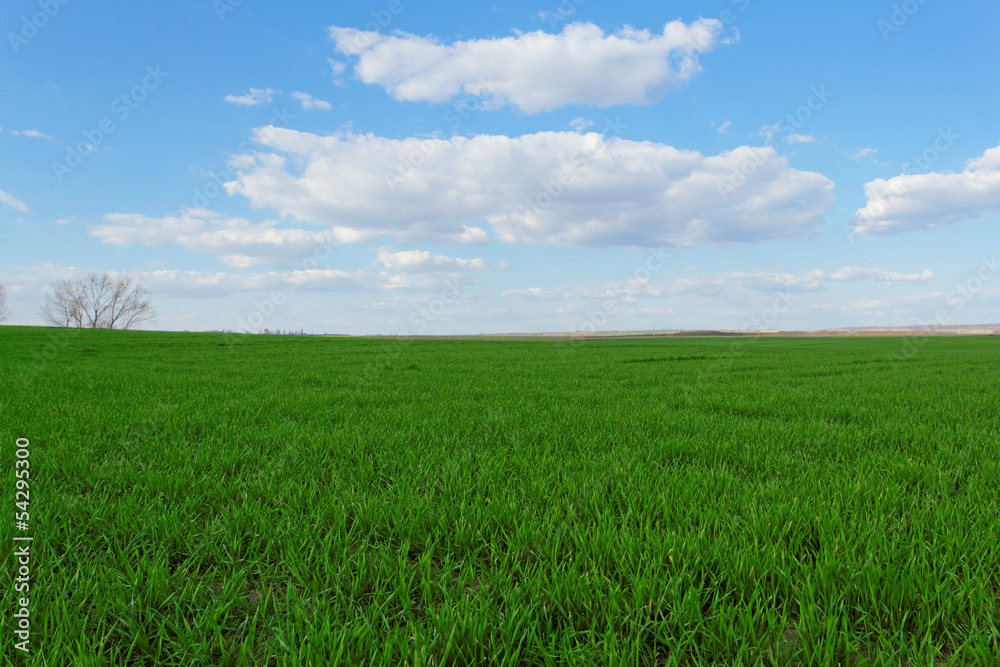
x,y
10,201
554,187
253,98
535,71
235,241
310,103
422,260
924,201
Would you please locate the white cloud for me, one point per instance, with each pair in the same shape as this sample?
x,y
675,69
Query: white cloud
x,y
863,153
208,283
253,98
800,139
897,304
555,187
925,201
13,202
622,292
724,128
851,273
769,281
769,131
34,134
235,241
310,103
535,71
422,260
580,124
422,282
872,304
735,282
337,68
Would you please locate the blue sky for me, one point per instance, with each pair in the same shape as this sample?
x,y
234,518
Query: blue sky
x,y
398,167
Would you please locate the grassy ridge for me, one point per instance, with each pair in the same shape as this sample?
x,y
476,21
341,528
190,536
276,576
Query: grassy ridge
x,y
349,501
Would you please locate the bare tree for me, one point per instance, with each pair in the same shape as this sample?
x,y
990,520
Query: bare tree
x,y
128,303
93,290
4,310
63,306
95,301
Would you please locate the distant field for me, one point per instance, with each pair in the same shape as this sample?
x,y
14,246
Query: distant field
x,y
306,500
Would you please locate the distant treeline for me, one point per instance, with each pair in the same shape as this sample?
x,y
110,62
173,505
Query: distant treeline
x,y
276,332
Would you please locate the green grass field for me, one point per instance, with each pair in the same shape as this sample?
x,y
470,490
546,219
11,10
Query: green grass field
x,y
328,501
